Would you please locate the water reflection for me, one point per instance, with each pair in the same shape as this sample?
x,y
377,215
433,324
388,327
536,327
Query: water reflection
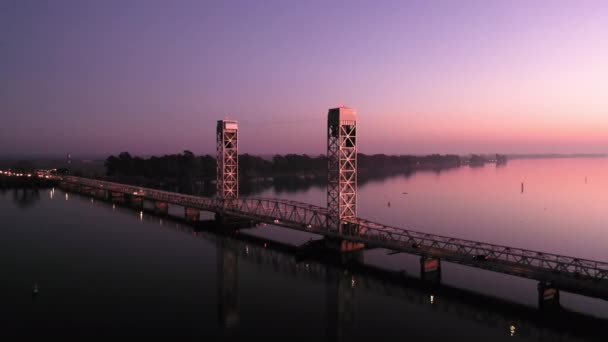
x,y
26,197
227,283
341,304
344,283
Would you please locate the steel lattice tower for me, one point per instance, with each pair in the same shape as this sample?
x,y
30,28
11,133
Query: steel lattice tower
x,y
227,159
342,166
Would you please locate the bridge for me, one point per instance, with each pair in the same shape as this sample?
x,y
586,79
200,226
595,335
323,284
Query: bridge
x,y
345,232
344,281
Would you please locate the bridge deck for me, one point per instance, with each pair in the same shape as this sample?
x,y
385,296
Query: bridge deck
x,y
582,276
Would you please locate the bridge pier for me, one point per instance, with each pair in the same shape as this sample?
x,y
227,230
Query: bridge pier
x,y
548,296
342,246
100,193
161,208
430,269
69,186
192,214
136,201
117,197
86,190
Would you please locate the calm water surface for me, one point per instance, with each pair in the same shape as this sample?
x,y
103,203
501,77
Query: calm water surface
x,y
107,270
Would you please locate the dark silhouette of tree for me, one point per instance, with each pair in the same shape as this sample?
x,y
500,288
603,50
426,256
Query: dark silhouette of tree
x,y
188,173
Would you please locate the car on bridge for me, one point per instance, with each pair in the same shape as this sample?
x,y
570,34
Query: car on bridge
x,y
481,257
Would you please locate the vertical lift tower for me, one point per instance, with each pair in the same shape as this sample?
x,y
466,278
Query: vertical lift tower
x,y
227,161
342,174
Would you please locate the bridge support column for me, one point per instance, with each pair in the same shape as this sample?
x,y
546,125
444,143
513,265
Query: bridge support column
x,y
342,246
161,208
117,197
136,201
430,269
84,190
192,214
548,296
100,193
65,185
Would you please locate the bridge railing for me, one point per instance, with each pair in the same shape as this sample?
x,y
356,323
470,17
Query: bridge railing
x,y
315,220
298,214
482,252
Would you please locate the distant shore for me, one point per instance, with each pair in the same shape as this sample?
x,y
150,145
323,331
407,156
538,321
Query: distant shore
x,y
556,155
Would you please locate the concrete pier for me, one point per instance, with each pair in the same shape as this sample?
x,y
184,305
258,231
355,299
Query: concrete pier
x,y
117,197
192,214
342,246
100,194
548,296
161,208
136,201
430,269
86,190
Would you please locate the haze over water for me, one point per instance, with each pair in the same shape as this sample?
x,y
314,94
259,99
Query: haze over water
x,y
119,273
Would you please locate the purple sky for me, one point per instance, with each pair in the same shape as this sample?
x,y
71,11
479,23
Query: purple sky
x,y
152,77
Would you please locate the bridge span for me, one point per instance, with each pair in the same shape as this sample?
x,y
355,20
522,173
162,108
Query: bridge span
x,y
345,231
554,272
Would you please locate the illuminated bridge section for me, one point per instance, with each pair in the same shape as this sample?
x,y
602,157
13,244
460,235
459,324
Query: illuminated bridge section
x,y
586,277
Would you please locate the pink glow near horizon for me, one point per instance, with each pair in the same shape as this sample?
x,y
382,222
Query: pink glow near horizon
x,y
425,77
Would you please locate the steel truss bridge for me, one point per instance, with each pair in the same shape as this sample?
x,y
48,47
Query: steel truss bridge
x,y
576,275
339,221
283,258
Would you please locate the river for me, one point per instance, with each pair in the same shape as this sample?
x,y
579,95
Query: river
x,y
109,270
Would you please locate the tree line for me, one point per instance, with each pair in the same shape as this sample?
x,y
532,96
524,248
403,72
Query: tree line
x,y
187,165
186,172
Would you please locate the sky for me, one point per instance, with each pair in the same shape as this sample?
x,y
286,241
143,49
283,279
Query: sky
x,y
153,77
